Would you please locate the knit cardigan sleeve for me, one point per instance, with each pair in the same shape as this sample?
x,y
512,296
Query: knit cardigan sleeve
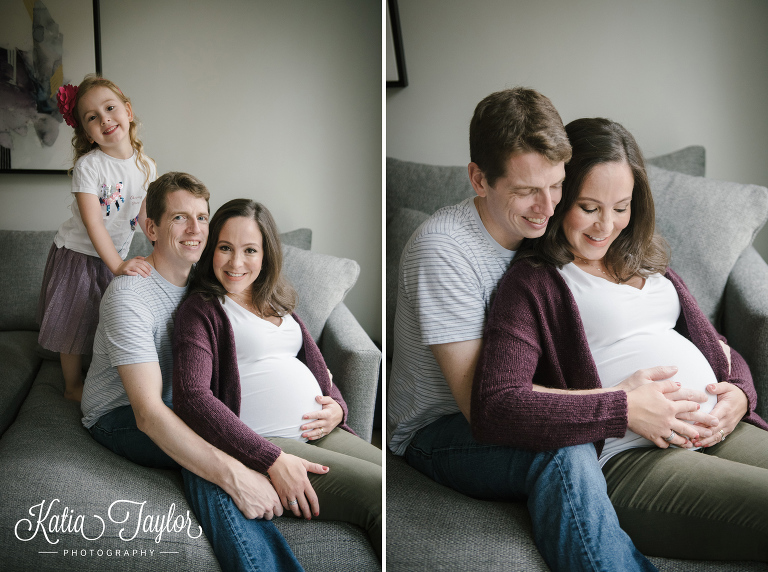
x,y
694,325
534,335
206,384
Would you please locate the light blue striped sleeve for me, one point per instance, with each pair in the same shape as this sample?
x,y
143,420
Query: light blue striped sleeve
x,y
444,287
129,328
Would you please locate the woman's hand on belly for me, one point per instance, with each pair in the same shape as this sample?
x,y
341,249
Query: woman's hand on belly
x,y
324,421
731,406
289,477
652,415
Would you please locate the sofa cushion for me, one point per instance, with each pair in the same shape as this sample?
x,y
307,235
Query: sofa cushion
x,y
708,224
690,160
300,238
47,454
22,261
423,187
321,281
401,224
472,535
20,365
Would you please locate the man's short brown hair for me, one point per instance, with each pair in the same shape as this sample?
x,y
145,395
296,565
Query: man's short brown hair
x,y
517,120
166,184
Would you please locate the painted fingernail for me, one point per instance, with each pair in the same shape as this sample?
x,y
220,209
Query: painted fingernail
x,y
317,514
677,383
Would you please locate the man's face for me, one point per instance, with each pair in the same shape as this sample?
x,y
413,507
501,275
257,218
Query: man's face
x,y
519,204
181,234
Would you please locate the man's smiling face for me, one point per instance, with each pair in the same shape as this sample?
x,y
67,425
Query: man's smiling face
x,y
520,203
183,230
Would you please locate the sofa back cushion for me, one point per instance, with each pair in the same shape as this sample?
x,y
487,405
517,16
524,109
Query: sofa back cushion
x,y
425,188
707,223
22,261
401,224
690,161
321,282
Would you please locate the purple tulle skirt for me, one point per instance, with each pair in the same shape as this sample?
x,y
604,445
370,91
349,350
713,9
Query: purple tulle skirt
x,y
68,307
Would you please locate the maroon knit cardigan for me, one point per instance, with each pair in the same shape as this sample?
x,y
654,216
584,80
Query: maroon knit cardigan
x,y
206,381
534,335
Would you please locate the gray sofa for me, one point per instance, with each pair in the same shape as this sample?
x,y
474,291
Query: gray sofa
x,y
56,482
710,226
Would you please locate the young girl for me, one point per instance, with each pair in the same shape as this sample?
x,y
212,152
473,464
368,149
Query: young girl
x,y
111,175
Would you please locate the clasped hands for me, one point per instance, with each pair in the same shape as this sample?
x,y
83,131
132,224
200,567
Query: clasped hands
x,y
658,405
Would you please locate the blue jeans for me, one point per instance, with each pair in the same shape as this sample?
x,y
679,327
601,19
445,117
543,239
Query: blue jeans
x,y
575,527
239,543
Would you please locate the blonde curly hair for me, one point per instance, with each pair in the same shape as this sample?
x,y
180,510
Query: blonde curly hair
x,y
80,142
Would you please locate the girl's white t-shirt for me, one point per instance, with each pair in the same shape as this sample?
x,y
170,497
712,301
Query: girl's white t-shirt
x,y
630,329
120,186
276,388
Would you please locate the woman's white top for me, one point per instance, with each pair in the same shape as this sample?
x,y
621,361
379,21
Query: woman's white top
x,y
629,329
276,388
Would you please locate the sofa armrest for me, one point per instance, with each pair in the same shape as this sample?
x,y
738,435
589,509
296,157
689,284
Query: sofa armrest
x,y
745,319
354,361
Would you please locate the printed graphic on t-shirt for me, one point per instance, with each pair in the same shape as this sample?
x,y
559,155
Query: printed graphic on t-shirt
x,y
111,195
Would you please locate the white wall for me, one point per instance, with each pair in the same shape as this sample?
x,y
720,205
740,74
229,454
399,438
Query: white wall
x,y
276,101
674,72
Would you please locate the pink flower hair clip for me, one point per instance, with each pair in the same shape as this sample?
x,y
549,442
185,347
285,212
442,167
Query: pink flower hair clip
x,y
66,100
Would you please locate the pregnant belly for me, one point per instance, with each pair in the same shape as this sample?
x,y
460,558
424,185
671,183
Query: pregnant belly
x,y
623,358
275,394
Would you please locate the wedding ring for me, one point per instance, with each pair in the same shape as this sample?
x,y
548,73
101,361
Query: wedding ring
x,y
293,502
671,436
322,431
722,435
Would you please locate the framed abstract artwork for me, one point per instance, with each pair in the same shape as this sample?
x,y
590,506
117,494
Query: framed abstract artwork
x,y
44,44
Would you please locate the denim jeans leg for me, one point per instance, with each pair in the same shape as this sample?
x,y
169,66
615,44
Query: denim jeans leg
x,y
240,544
118,432
574,524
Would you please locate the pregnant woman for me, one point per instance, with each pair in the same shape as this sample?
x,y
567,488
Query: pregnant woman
x,y
249,378
580,310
